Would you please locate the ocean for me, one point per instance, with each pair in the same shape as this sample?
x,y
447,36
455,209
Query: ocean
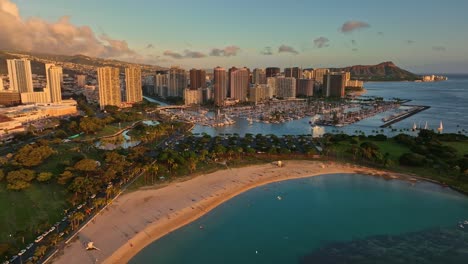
x,y
340,218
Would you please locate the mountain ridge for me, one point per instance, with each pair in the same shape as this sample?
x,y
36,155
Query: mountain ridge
x,y
385,71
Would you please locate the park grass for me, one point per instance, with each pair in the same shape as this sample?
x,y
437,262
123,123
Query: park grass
x,y
461,147
393,148
29,212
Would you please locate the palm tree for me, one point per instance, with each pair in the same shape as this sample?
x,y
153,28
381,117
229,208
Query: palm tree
x,y
109,192
192,164
99,202
154,171
174,166
76,219
40,251
170,162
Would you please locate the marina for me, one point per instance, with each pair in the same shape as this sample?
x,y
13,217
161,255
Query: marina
x,y
337,113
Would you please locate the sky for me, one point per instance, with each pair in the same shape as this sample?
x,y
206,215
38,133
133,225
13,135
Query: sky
x,y
421,36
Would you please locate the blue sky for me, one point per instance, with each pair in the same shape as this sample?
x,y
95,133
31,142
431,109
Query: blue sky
x,y
423,36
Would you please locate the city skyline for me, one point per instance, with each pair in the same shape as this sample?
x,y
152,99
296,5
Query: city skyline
x,y
259,34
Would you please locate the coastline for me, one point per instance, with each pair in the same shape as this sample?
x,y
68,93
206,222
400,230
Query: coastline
x,y
137,219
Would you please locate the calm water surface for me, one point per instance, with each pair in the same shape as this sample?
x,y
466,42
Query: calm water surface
x,y
448,101
348,215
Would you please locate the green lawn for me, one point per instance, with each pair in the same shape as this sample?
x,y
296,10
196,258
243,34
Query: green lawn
x,y
461,147
393,148
25,212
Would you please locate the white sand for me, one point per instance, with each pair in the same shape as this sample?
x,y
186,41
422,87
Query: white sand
x,y
136,219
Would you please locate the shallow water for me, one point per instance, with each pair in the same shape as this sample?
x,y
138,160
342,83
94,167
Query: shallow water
x,y
313,214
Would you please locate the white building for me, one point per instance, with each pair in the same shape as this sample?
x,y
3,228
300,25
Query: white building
x,y
109,87
20,75
81,80
271,83
54,76
36,97
286,87
177,82
319,73
133,88
239,81
259,93
193,97
161,83
259,76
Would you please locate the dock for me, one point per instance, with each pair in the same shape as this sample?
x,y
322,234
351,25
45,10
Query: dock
x,y
416,109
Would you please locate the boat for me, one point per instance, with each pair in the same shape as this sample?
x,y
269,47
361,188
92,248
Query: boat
x,y
426,127
441,127
461,226
414,127
279,198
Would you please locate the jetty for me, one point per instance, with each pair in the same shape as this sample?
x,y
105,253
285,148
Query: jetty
x,y
403,115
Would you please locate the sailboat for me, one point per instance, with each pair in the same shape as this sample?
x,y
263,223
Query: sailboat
x,y
441,127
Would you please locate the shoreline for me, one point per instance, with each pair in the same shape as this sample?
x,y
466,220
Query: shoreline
x,y
139,218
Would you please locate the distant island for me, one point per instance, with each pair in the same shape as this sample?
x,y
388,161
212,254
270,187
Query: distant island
x,y
385,71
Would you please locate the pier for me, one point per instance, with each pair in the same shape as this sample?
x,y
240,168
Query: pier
x,y
416,109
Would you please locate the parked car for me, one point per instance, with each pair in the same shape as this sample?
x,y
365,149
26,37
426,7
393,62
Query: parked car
x,y
22,252
38,239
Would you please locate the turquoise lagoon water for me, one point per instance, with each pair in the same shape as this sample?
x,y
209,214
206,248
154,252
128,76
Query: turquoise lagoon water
x,y
340,218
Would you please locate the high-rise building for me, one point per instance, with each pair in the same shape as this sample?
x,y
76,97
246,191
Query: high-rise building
x,y
239,83
348,76
220,86
334,84
177,82
258,93
305,87
231,70
259,76
286,87
294,72
81,80
308,74
36,97
207,95
54,76
8,98
272,71
20,75
319,73
197,79
161,84
271,83
109,87
193,97
133,88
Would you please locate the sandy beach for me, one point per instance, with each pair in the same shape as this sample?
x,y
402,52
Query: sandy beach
x,y
136,219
